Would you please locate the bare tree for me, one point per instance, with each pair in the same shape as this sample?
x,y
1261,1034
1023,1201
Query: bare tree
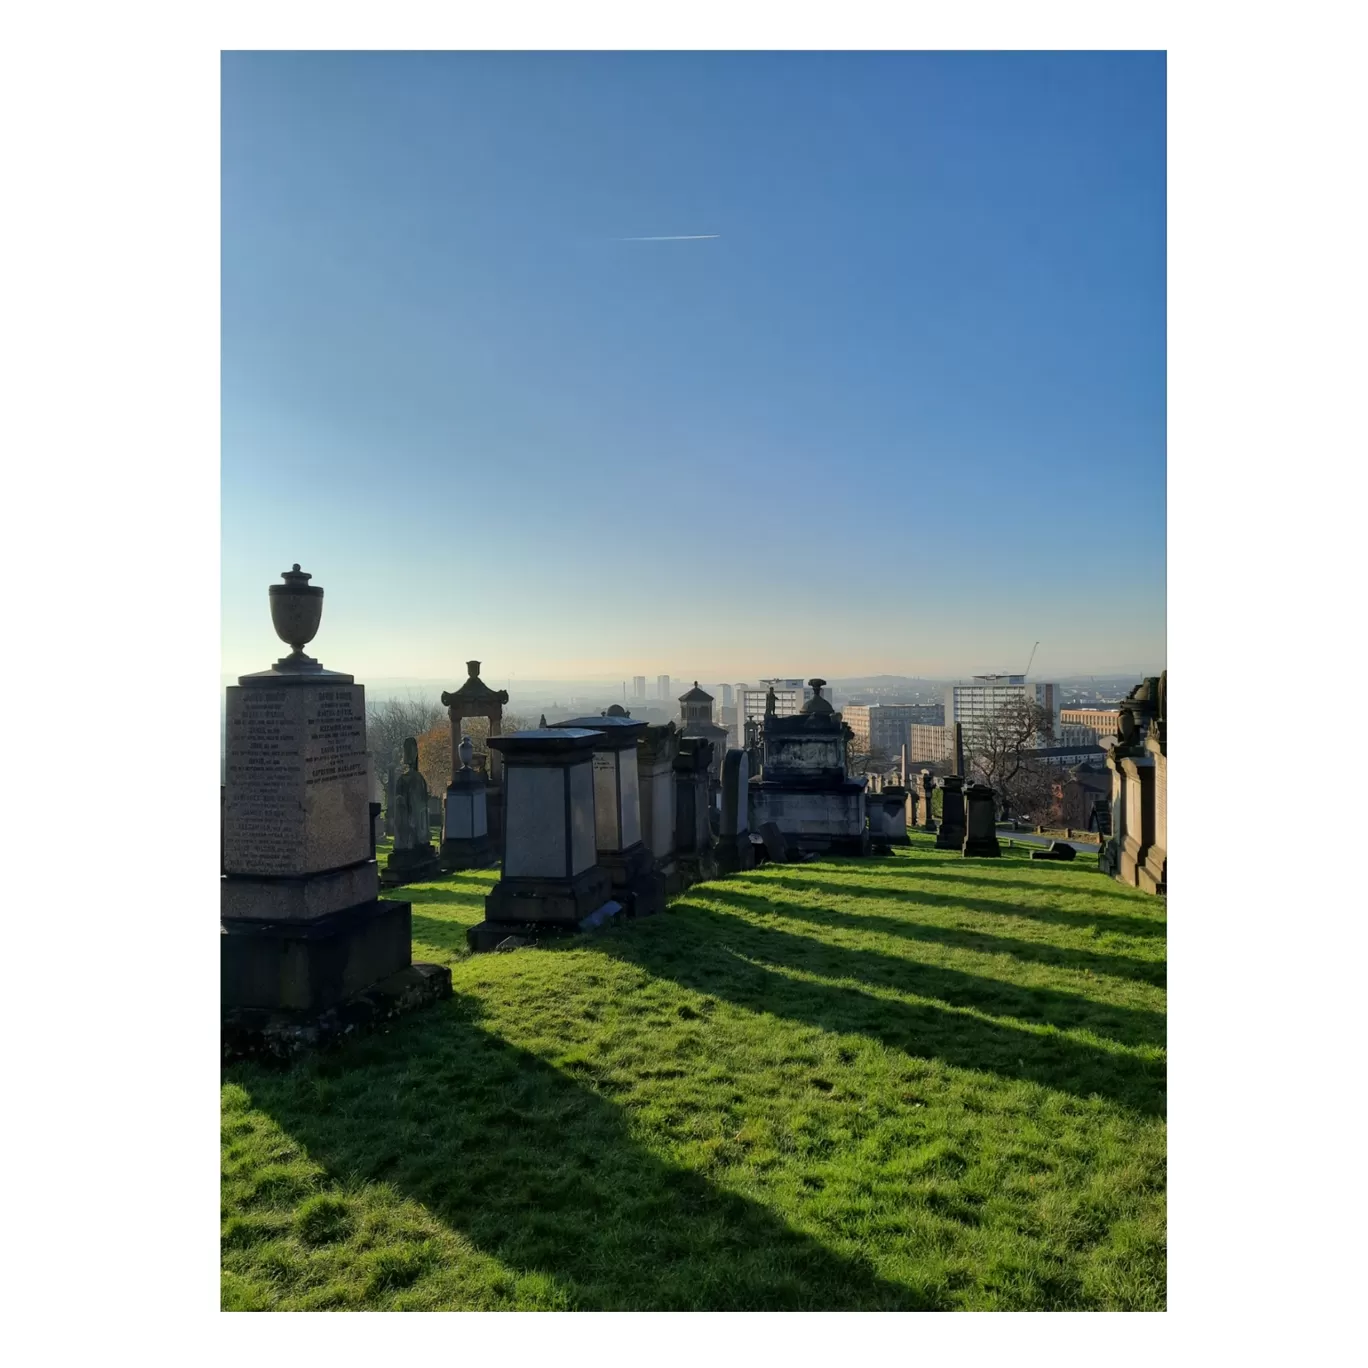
x,y
874,760
1000,752
389,721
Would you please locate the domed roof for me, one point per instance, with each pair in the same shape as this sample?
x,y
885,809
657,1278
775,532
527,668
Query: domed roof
x,y
817,704
696,695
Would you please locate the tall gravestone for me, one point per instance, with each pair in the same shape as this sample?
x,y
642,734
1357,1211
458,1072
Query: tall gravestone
x,y
1152,873
980,822
551,879
695,850
656,750
734,849
950,835
414,857
303,930
887,811
617,812
926,792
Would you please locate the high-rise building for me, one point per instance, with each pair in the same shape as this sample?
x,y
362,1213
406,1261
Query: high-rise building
x,y
639,687
789,697
928,745
663,686
973,703
727,700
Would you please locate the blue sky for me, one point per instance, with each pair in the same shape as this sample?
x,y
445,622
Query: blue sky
x,y
906,413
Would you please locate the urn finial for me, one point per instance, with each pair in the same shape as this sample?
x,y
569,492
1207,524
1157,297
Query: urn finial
x,y
296,610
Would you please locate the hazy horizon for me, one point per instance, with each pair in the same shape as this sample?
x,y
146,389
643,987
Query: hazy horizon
x,y
753,363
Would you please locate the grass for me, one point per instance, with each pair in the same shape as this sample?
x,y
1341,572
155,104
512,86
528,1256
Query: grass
x,y
917,1082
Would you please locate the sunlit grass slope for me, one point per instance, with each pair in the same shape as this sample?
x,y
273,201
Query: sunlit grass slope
x,y
913,1082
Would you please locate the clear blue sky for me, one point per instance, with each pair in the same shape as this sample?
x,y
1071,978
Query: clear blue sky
x,y
905,414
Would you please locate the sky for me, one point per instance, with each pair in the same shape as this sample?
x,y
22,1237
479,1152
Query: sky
x,y
883,391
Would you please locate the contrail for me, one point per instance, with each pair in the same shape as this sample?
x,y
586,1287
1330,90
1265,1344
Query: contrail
x,y
673,237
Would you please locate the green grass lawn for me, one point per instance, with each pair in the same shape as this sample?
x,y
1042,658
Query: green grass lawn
x,y
918,1082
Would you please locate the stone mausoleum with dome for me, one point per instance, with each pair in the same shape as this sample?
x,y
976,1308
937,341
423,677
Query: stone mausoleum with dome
x,y
803,786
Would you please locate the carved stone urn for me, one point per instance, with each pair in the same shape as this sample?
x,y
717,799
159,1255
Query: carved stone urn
x,y
296,609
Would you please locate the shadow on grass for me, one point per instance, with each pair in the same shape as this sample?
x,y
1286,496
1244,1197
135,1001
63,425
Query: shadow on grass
x,y
712,952
1153,972
441,933
994,997
1141,927
1092,883
541,1172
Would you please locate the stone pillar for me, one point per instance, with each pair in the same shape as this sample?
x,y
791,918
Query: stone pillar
x,y
551,879
734,849
903,773
1138,779
656,751
302,929
1109,851
980,822
1152,875
928,788
951,833
465,823
617,812
694,848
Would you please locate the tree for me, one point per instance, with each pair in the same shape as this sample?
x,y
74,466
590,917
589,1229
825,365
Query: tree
x,y
874,760
389,721
999,752
434,746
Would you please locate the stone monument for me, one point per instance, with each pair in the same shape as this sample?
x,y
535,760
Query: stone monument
x,y
888,816
695,849
414,857
926,790
950,835
656,751
1152,874
804,786
734,849
696,720
980,822
465,821
476,699
302,930
617,811
551,880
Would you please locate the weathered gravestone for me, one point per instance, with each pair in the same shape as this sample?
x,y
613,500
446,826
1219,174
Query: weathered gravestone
x,y
303,931
1057,850
926,786
695,849
950,836
656,752
734,850
980,822
414,857
617,812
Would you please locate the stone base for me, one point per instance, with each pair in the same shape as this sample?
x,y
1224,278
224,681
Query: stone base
x,y
254,1033
1132,861
301,899
697,866
1152,876
489,935
308,967
636,883
735,854
950,838
981,847
461,852
548,902
411,866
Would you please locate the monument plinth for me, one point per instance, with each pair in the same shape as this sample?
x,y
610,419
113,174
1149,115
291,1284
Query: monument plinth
x,y
617,811
302,929
551,878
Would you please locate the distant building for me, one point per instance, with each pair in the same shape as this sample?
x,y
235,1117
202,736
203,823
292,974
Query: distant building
x,y
884,726
789,697
639,686
663,686
696,719
930,745
974,702
1098,725
727,700
1063,757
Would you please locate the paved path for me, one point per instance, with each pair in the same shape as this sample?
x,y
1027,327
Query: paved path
x,y
1030,838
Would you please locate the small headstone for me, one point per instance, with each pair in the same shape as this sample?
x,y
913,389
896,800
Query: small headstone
x,y
1057,850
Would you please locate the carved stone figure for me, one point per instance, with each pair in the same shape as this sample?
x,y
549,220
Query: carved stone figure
x,y
411,802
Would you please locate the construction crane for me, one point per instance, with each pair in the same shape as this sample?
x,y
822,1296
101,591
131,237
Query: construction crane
x,y
1030,662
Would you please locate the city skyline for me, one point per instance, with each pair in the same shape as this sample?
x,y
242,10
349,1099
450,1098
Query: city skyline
x,y
900,366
